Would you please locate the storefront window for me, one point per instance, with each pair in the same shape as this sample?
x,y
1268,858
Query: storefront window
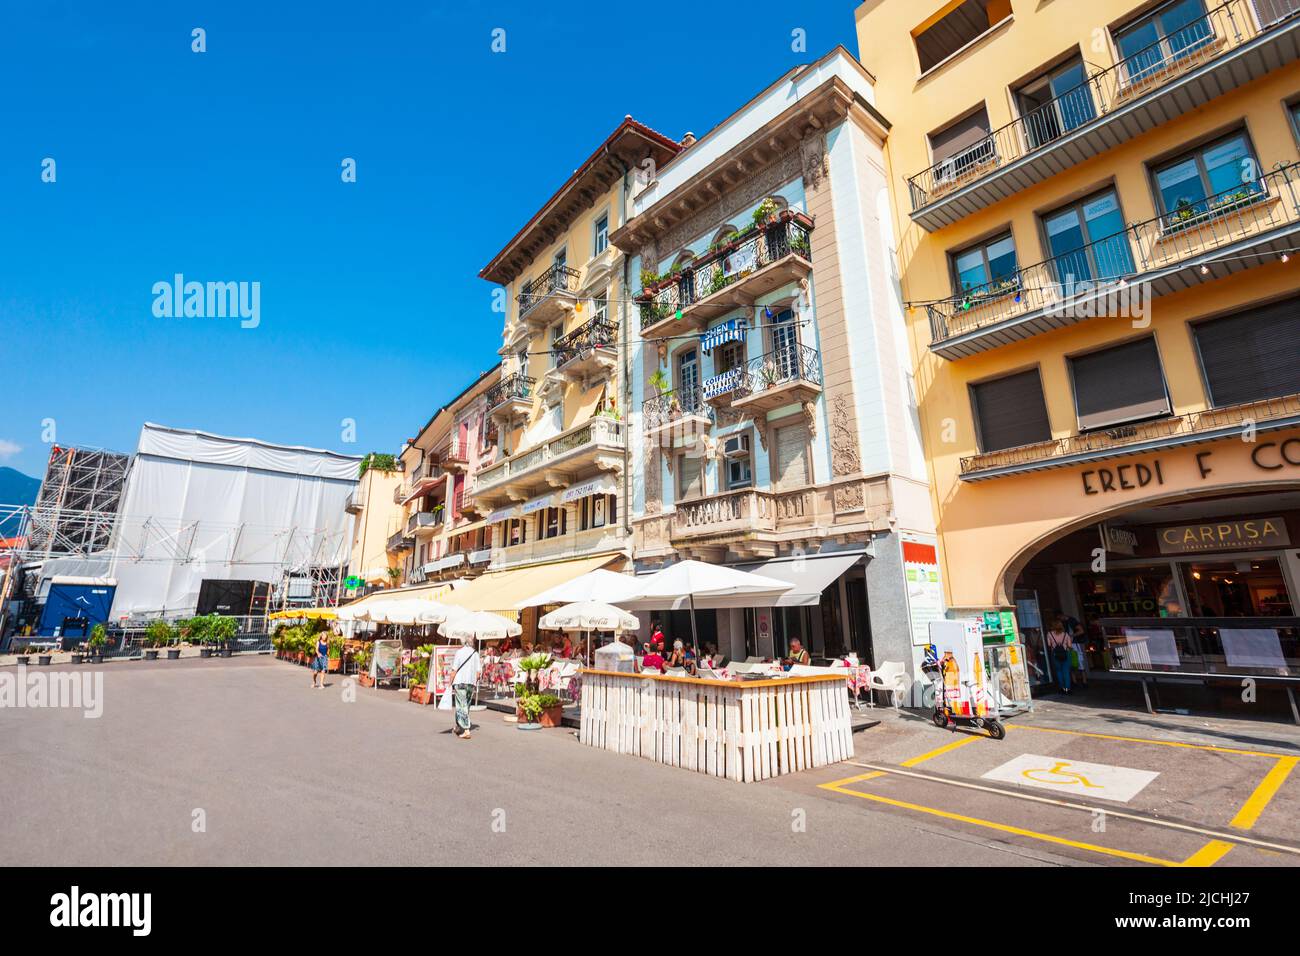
x,y
1246,588
1129,592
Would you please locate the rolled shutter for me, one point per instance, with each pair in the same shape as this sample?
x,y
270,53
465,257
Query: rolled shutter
x,y
792,457
1251,356
1120,384
690,476
1011,412
960,136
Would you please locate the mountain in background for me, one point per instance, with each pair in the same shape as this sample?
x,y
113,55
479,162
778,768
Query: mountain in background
x,y
15,489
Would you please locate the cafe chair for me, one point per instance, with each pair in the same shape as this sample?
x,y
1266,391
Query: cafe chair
x,y
890,676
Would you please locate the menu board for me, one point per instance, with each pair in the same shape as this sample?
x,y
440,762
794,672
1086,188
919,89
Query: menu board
x,y
442,667
924,590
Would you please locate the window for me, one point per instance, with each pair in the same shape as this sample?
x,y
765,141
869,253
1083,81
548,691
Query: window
x,y
690,477
1120,384
688,380
1010,411
514,531
597,511
551,523
1055,103
792,466
601,241
961,147
739,461
1088,242
987,266
1162,38
1250,356
561,259
1271,11
1293,112
727,357
962,25
1208,179
600,309
557,333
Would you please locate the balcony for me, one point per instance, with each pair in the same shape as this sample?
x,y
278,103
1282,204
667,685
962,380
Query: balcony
x,y
790,375
737,274
511,397
423,523
355,503
1226,48
426,480
453,457
681,408
1118,276
549,296
588,351
468,505
1192,428
596,445
399,542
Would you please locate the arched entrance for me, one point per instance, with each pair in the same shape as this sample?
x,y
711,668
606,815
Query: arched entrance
x,y
1185,583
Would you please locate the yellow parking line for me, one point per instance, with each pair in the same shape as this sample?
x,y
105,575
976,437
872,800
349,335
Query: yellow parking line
x,y
1266,791
1210,854
939,751
1001,827
1147,740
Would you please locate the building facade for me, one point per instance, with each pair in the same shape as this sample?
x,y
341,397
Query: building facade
x,y
558,488
777,427
376,513
1097,210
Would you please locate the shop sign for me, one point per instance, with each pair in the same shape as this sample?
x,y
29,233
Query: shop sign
x,y
1246,533
1118,540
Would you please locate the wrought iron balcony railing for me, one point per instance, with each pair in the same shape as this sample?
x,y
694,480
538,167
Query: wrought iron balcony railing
x,y
400,541
454,451
792,363
674,406
1251,209
1140,436
554,280
513,387
597,333
1172,55
725,267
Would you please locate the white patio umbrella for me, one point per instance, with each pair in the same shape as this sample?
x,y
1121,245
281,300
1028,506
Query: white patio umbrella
x,y
687,580
414,611
589,616
598,585
480,625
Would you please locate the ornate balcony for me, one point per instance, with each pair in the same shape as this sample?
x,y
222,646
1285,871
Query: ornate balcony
x,y
787,376
399,542
588,351
549,296
1226,48
511,397
1173,431
1119,274
680,408
596,445
453,456
737,274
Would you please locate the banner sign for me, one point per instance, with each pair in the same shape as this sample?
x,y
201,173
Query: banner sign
x,y
386,661
605,484
501,514
537,504
721,384
441,669
1243,533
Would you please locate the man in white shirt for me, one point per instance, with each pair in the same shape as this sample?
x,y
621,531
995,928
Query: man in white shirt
x,y
465,670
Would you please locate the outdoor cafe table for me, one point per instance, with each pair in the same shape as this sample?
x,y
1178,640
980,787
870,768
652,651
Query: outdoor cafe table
x,y
742,730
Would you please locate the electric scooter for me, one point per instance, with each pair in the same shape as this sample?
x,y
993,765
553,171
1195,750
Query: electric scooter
x,y
943,715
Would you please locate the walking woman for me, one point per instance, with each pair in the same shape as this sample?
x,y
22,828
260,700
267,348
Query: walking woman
x,y
464,679
321,663
1059,645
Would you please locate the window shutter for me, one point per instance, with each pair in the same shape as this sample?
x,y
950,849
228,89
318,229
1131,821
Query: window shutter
x,y
960,136
1120,384
792,457
1011,412
690,476
1251,356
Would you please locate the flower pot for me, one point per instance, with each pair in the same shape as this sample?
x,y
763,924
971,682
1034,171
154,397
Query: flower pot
x,y
523,726
76,658
97,657
173,653
421,694
366,680
552,716
225,652
42,659
24,659
205,652
151,654
335,665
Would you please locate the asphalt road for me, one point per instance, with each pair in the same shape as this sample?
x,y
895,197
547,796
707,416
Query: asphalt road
x,y
240,763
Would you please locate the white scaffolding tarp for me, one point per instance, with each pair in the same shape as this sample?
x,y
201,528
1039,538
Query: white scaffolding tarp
x,y
203,507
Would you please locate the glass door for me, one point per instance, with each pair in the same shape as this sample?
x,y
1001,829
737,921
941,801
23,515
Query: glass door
x,y
1088,243
688,380
785,346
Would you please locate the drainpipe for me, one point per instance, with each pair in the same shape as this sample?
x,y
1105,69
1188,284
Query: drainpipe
x,y
626,397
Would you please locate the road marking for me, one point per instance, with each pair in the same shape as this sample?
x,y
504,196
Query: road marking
x,y
1266,791
1217,836
1210,854
1147,740
1099,780
946,748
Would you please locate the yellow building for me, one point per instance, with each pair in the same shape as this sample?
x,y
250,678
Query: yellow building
x,y
1095,205
377,514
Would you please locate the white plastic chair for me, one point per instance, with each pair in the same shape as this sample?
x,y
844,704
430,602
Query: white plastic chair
x,y
890,676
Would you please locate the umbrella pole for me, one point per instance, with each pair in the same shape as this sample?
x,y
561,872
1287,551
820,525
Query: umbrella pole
x,y
695,637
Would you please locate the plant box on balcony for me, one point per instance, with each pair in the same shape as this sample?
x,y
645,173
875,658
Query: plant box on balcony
x,y
421,695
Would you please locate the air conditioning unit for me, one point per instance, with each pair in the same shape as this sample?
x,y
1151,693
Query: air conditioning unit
x,y
737,446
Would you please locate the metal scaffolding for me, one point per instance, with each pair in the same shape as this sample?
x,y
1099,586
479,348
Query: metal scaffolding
x,y
78,502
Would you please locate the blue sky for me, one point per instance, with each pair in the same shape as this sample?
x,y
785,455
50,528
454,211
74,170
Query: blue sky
x,y
225,166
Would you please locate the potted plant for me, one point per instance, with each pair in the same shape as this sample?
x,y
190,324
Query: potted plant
x,y
551,710
195,630
222,629
335,655
417,675
393,575
158,634
528,709
79,654
766,213
43,660
660,382
98,641
23,659
362,657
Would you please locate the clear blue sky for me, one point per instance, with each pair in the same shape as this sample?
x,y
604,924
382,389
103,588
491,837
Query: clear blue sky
x,y
225,166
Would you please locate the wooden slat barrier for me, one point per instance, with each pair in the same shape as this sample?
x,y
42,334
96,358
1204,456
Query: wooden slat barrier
x,y
741,730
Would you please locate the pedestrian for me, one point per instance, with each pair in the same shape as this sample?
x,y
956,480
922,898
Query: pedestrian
x,y
321,663
1059,646
464,679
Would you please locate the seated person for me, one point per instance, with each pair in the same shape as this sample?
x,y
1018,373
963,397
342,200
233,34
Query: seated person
x,y
566,649
798,654
681,657
652,660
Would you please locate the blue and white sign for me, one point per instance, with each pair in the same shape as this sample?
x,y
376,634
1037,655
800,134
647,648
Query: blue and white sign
x,y
733,330
728,381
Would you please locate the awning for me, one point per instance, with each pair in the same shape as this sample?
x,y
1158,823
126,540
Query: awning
x,y
313,613
500,591
604,484
809,574
424,591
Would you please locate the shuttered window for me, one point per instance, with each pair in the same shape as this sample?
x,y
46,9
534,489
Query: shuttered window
x,y
1252,355
1010,411
690,480
1120,384
967,140
792,457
